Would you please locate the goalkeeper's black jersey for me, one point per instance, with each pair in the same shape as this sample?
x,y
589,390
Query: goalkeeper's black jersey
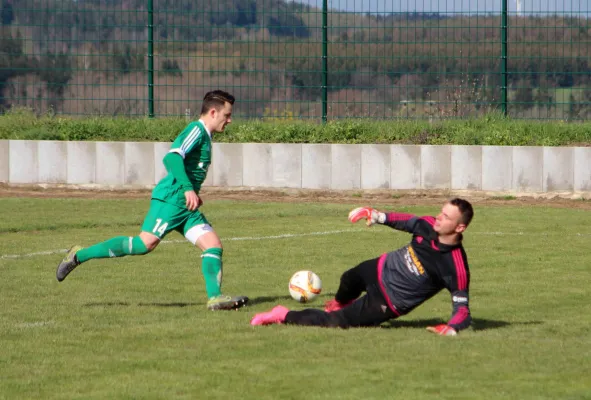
x,y
416,272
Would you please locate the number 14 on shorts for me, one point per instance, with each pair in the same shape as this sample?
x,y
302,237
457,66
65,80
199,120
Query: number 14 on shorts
x,y
160,227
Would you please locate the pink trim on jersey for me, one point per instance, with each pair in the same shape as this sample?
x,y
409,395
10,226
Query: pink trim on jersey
x,y
462,277
460,316
434,245
381,262
430,220
394,216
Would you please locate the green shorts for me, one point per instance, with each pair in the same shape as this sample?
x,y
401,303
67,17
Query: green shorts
x,y
162,218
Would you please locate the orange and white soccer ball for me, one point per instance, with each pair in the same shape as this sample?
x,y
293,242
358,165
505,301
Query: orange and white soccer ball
x,y
304,286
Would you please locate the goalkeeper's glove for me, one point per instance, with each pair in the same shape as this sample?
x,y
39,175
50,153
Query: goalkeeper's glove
x,y
443,330
372,216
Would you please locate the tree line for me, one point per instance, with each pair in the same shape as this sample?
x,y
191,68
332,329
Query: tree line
x,y
279,43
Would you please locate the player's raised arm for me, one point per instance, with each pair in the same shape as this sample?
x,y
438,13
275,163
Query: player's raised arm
x,y
400,221
371,215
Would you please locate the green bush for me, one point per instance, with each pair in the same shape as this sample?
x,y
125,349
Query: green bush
x,y
491,130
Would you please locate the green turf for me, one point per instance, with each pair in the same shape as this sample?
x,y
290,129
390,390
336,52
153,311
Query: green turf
x,y
138,327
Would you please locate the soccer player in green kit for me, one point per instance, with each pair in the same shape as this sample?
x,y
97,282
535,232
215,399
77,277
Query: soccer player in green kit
x,y
175,205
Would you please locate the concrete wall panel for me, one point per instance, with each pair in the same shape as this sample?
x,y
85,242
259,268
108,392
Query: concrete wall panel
x,y
81,164
528,164
346,166
139,163
405,167
316,166
466,167
257,161
110,163
435,167
558,172
287,165
375,166
53,161
497,163
227,164
582,166
4,160
23,161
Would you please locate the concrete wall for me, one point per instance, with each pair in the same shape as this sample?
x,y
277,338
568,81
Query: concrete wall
x,y
307,166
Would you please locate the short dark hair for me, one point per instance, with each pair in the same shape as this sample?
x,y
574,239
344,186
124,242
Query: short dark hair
x,y
465,209
215,99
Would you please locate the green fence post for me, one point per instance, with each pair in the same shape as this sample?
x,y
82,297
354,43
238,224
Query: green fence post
x,y
324,60
150,59
504,23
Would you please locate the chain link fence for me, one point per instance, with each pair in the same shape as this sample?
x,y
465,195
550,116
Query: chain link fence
x,y
316,60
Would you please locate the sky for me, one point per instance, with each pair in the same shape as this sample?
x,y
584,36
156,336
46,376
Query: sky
x,y
528,7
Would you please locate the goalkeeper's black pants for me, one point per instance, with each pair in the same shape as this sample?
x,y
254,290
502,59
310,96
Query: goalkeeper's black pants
x,y
368,310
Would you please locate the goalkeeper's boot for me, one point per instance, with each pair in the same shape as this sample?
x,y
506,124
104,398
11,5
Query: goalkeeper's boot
x,y
226,302
275,316
68,264
334,305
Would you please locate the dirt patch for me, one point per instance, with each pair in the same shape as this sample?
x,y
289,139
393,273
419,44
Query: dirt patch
x,y
361,197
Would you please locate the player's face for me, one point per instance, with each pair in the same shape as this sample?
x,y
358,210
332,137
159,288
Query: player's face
x,y
222,117
448,221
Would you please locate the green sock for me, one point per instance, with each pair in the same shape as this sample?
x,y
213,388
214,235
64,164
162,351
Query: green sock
x,y
212,271
116,247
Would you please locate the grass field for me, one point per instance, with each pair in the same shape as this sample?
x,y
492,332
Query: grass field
x,y
137,327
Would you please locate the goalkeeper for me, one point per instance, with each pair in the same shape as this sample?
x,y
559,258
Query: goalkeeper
x,y
175,205
397,282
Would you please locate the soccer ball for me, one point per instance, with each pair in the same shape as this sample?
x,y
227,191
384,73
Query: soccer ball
x,y
304,286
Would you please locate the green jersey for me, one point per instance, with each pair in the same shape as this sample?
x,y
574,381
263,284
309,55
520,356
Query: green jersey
x,y
194,145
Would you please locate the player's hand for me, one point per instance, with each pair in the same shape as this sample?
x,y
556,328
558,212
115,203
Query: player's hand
x,y
192,200
371,215
443,330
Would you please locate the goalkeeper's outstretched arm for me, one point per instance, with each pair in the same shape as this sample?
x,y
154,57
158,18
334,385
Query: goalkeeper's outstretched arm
x,y
400,221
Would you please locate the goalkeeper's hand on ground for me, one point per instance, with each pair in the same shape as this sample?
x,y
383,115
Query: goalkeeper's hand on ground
x,y
372,216
443,330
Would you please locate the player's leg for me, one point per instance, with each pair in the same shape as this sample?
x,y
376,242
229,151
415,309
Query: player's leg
x,y
354,282
161,219
198,231
118,246
204,237
369,310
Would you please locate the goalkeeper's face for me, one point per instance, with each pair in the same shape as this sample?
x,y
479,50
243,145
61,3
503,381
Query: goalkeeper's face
x,y
448,222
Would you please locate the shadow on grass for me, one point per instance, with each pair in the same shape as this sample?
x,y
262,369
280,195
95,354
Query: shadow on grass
x,y
107,304
478,324
125,304
481,324
272,300
170,304
269,299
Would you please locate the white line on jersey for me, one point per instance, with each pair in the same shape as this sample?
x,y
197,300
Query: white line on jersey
x,y
190,139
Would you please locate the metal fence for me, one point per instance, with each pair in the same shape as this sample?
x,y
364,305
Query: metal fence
x,y
318,60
